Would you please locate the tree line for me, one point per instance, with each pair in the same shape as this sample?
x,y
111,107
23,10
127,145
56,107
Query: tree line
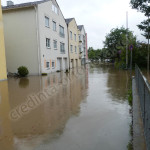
x,y
116,41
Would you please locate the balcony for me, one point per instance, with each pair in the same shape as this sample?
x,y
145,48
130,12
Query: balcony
x,y
62,51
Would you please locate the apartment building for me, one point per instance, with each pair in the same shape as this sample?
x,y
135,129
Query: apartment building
x,y
3,72
83,44
35,37
73,41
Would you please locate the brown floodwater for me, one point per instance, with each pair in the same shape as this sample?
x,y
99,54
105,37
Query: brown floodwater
x,y
86,109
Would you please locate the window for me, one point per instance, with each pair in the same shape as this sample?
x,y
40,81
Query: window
x,y
75,37
61,31
79,37
54,26
80,49
54,9
62,47
55,44
47,42
53,64
46,21
75,49
71,48
70,35
47,65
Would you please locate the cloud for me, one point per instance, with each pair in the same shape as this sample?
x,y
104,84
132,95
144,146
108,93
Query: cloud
x,y
99,17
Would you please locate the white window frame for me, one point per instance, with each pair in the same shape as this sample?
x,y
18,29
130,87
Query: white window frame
x,y
48,64
79,37
55,44
75,49
61,28
53,62
71,35
47,19
48,43
71,48
62,47
75,37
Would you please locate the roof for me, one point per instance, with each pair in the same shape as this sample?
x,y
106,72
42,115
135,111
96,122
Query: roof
x,y
80,27
68,20
29,4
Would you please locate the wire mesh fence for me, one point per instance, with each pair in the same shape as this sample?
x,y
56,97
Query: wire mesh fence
x,y
144,94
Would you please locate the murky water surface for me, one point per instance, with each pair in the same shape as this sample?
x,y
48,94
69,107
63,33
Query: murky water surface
x,y
84,110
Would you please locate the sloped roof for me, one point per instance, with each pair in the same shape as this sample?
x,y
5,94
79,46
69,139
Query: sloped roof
x,y
29,4
68,20
80,27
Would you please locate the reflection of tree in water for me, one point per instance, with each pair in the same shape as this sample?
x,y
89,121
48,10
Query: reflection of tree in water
x,y
98,68
118,84
24,82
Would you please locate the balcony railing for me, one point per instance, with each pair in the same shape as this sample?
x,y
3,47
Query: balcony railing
x,y
62,35
62,51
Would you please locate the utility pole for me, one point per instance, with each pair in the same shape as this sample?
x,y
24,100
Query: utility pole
x,y
127,40
148,49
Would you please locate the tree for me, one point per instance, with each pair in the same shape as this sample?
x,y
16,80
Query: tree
x,y
94,54
144,27
141,5
144,7
115,41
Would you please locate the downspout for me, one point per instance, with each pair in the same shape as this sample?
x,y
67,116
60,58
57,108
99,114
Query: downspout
x,y
68,47
38,37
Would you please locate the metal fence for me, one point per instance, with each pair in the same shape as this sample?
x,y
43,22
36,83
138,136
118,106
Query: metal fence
x,y
144,94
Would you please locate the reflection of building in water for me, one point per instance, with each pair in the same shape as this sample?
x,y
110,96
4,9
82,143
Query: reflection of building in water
x,y
50,117
6,135
3,72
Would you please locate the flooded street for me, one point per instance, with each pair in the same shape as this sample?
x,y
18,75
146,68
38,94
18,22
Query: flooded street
x,y
86,109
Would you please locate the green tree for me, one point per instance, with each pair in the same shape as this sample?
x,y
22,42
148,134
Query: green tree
x,y
115,42
144,7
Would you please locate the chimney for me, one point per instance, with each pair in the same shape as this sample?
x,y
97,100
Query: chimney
x,y
10,3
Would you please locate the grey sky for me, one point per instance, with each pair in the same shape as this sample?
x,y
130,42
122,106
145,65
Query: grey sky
x,y
99,17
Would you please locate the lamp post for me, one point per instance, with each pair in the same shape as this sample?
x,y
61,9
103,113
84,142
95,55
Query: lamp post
x,y
148,49
127,40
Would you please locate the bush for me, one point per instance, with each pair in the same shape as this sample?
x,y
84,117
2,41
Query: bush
x,y
23,71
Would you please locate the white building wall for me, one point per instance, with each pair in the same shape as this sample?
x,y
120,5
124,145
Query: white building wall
x,y
83,45
21,40
52,55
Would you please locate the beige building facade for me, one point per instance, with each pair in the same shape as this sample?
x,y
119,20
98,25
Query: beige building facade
x,y
3,72
73,43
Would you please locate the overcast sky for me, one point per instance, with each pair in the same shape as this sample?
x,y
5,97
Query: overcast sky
x,y
99,17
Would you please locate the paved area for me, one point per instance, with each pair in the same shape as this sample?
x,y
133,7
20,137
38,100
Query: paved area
x,y
138,130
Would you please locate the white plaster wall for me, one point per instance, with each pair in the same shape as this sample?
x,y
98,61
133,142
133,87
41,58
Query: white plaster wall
x,y
21,39
45,9
83,45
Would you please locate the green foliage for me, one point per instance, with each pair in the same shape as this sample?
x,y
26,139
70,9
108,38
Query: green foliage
x,y
144,7
94,54
141,5
115,41
23,71
44,74
144,27
130,146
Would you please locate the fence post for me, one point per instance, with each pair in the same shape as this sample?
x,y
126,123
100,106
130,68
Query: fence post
x,y
144,105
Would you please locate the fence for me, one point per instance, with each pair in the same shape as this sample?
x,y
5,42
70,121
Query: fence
x,y
144,93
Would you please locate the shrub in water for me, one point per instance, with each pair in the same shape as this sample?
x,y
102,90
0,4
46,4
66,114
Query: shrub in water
x,y
23,71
